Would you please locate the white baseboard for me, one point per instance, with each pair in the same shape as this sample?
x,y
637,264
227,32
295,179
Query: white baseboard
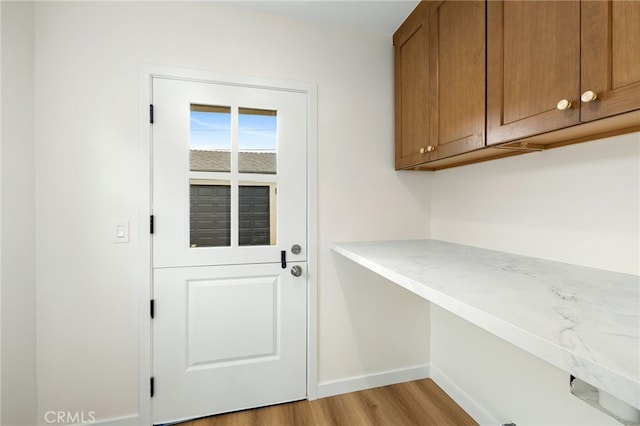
x,y
461,398
358,383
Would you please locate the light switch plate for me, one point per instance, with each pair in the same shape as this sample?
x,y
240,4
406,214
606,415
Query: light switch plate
x,y
120,231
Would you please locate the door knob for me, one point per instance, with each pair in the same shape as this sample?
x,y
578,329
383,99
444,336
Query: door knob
x,y
588,96
296,270
563,104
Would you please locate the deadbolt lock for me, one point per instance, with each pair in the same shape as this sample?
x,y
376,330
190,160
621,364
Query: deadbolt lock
x,y
296,249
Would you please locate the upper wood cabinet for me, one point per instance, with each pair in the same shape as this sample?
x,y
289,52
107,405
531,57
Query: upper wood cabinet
x,y
477,80
456,77
440,81
411,51
547,60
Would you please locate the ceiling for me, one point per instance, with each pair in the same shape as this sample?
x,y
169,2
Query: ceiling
x,y
380,16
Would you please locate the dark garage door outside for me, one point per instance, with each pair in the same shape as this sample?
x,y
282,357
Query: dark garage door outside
x,y
210,215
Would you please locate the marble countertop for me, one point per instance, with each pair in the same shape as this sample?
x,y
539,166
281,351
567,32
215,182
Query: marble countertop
x,y
584,321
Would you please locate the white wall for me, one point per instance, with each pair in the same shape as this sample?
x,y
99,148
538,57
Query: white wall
x,y
87,56
18,373
577,204
509,384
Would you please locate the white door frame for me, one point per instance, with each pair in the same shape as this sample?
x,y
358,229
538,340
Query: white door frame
x,y
145,74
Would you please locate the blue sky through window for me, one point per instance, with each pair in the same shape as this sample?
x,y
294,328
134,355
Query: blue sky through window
x,y
212,131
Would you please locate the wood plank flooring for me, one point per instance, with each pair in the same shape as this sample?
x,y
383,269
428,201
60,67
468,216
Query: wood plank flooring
x,y
415,403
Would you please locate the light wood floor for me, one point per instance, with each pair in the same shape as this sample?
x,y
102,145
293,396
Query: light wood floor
x,y
415,403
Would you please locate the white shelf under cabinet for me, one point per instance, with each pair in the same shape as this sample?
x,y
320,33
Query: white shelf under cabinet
x,y
584,321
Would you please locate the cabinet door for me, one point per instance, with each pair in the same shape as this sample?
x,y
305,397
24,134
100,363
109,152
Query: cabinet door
x,y
610,57
456,77
412,88
533,62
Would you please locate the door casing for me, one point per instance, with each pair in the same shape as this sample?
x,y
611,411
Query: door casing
x,y
145,74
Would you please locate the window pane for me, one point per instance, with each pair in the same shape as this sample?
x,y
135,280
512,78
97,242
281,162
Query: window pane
x,y
257,215
210,217
210,138
257,141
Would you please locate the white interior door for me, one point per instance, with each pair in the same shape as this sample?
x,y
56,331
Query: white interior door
x,y
229,208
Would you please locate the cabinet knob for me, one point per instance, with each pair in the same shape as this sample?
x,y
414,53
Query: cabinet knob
x,y
563,104
429,148
588,96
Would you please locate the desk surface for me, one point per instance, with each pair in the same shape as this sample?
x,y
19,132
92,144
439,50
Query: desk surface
x,y
584,321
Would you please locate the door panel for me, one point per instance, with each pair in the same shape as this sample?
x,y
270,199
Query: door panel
x,y
411,50
227,338
229,196
457,77
249,303
185,169
610,59
525,85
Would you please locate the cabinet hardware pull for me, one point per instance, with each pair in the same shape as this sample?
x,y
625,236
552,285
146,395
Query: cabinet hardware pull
x,y
431,148
563,104
422,150
588,96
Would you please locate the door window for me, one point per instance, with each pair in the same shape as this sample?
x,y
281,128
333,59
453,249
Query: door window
x,y
220,153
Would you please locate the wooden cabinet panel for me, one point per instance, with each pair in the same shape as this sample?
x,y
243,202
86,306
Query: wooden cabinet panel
x,y
412,88
533,62
610,57
456,77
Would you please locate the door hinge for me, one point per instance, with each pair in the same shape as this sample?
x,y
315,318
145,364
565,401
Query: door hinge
x,y
151,113
152,390
152,308
151,227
